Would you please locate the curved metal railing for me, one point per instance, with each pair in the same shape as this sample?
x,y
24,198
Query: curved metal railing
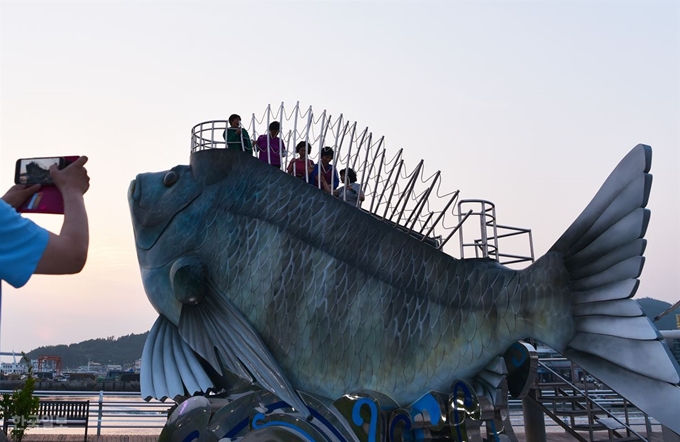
x,y
407,198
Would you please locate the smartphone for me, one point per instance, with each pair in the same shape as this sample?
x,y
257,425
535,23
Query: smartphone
x,y
36,170
48,199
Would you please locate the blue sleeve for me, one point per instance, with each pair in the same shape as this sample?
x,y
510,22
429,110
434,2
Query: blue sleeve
x,y
336,178
22,244
315,172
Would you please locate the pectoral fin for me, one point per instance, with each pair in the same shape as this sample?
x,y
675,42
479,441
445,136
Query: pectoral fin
x,y
169,367
217,331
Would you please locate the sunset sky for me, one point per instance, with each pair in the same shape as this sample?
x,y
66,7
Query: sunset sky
x,y
529,104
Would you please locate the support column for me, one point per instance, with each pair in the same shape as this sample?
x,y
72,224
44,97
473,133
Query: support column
x,y
534,420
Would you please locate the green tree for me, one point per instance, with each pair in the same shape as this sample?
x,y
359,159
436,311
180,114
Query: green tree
x,y
21,405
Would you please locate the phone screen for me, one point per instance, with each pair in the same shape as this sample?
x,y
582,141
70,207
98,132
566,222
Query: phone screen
x,y
36,170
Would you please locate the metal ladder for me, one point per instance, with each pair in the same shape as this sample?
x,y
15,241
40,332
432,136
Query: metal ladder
x,y
490,233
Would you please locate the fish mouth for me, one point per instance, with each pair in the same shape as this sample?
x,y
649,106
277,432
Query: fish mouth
x,y
132,193
135,197
153,209
146,236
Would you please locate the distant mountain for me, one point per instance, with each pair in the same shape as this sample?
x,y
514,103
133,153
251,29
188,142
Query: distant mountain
x,y
653,307
122,351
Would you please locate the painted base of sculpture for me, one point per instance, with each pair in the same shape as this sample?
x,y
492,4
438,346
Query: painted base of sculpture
x,y
468,412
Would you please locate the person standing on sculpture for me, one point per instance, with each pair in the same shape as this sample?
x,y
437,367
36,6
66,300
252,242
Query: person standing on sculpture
x,y
301,167
236,137
350,191
271,146
325,172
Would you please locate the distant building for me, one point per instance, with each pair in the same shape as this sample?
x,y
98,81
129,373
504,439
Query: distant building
x,y
91,367
13,368
17,367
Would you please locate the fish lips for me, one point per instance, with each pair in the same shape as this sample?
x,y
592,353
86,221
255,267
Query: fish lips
x,y
155,199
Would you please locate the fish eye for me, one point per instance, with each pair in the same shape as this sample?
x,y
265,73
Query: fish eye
x,y
170,178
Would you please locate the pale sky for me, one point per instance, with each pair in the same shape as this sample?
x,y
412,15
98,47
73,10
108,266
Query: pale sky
x,y
528,104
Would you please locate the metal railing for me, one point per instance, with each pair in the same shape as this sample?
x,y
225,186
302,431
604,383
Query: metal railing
x,y
126,410
488,244
115,410
407,198
591,404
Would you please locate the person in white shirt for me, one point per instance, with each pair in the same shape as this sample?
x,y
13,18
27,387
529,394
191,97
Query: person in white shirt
x,y
350,191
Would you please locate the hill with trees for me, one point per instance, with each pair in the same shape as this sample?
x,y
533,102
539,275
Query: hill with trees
x,y
654,307
121,351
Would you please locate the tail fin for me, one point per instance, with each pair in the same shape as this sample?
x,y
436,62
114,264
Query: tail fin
x,y
602,253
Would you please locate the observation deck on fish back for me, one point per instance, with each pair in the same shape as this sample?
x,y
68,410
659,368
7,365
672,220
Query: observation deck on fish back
x,y
406,198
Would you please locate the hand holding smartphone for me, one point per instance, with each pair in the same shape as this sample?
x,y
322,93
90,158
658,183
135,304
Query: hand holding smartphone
x,y
31,171
36,170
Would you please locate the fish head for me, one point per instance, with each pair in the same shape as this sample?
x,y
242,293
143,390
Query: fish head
x,y
166,219
155,200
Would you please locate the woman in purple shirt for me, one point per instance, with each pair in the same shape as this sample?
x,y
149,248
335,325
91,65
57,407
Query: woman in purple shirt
x,y
270,145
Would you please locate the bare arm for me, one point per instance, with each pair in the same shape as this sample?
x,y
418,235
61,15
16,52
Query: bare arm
x,y
67,252
17,194
324,185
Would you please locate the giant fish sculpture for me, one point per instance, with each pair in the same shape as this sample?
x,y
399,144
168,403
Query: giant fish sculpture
x,y
259,276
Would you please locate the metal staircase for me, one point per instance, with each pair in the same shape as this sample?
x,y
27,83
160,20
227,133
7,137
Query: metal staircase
x,y
586,413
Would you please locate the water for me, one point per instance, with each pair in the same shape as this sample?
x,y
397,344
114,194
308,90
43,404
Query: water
x,y
121,414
